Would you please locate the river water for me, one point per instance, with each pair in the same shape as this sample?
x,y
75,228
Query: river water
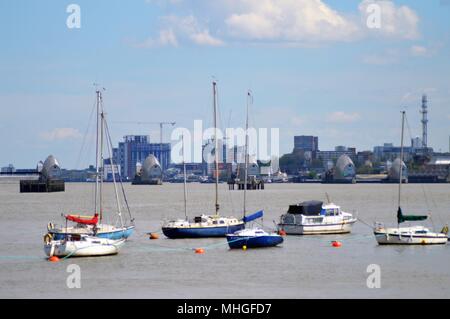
x,y
302,267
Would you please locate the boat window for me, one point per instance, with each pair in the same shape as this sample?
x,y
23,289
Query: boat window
x,y
222,222
215,222
421,231
330,212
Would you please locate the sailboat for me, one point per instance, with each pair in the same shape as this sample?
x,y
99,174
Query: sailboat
x,y
93,225
205,225
411,235
251,237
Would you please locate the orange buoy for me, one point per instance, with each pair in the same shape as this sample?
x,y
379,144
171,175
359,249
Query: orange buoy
x,y
282,232
154,236
336,244
199,251
53,259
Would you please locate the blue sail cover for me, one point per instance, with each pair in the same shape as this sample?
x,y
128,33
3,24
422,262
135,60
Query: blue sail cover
x,y
254,216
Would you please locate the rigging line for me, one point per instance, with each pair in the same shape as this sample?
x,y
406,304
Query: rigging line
x,y
113,171
408,127
77,163
365,223
120,177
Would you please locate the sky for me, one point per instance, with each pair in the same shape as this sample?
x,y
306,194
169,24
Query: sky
x,y
329,68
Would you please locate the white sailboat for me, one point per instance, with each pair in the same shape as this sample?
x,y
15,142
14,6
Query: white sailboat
x,y
254,237
82,246
90,230
205,225
411,235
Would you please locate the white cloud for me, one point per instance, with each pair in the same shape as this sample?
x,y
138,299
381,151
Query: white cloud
x,y
204,38
181,29
190,28
166,38
59,134
342,117
395,21
289,21
285,22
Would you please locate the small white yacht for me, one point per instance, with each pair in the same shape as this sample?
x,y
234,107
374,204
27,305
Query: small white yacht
x,y
414,235
313,218
81,246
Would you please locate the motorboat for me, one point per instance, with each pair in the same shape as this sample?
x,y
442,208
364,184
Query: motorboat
x,y
314,218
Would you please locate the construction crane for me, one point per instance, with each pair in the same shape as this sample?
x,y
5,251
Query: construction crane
x,y
161,125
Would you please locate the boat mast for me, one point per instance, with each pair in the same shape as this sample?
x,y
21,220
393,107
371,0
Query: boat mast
x,y
249,96
101,156
216,148
401,161
97,173
184,181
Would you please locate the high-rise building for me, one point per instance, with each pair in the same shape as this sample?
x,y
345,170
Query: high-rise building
x,y
306,143
136,148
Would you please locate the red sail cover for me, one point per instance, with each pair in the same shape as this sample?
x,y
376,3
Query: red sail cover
x,y
83,220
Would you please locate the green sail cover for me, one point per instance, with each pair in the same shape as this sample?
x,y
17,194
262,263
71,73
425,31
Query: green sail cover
x,y
404,218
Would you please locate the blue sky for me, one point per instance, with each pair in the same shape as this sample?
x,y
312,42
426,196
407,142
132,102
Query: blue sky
x,y
313,66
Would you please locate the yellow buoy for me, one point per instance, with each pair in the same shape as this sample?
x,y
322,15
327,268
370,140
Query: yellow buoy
x,y
244,247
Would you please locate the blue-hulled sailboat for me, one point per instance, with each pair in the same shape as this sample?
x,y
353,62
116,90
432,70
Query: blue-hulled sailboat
x,y
94,225
204,225
252,237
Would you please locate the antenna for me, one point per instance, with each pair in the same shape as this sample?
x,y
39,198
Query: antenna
x,y
424,121
328,197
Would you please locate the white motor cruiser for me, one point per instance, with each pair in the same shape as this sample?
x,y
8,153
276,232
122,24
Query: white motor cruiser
x,y
313,218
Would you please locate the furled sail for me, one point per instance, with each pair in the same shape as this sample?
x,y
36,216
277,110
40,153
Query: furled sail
x,y
254,216
85,220
404,218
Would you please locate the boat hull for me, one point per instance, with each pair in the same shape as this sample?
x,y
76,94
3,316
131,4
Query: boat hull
x,y
384,238
319,229
116,234
82,249
253,242
200,232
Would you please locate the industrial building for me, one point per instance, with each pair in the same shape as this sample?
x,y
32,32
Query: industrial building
x,y
135,149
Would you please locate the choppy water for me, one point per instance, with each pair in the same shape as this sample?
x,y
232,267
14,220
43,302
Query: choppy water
x,y
303,267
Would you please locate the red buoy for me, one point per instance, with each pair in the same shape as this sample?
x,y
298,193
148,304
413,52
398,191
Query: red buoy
x,y
282,232
154,236
336,244
199,251
54,259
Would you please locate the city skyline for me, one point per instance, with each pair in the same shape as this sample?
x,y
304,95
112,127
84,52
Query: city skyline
x,y
157,60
